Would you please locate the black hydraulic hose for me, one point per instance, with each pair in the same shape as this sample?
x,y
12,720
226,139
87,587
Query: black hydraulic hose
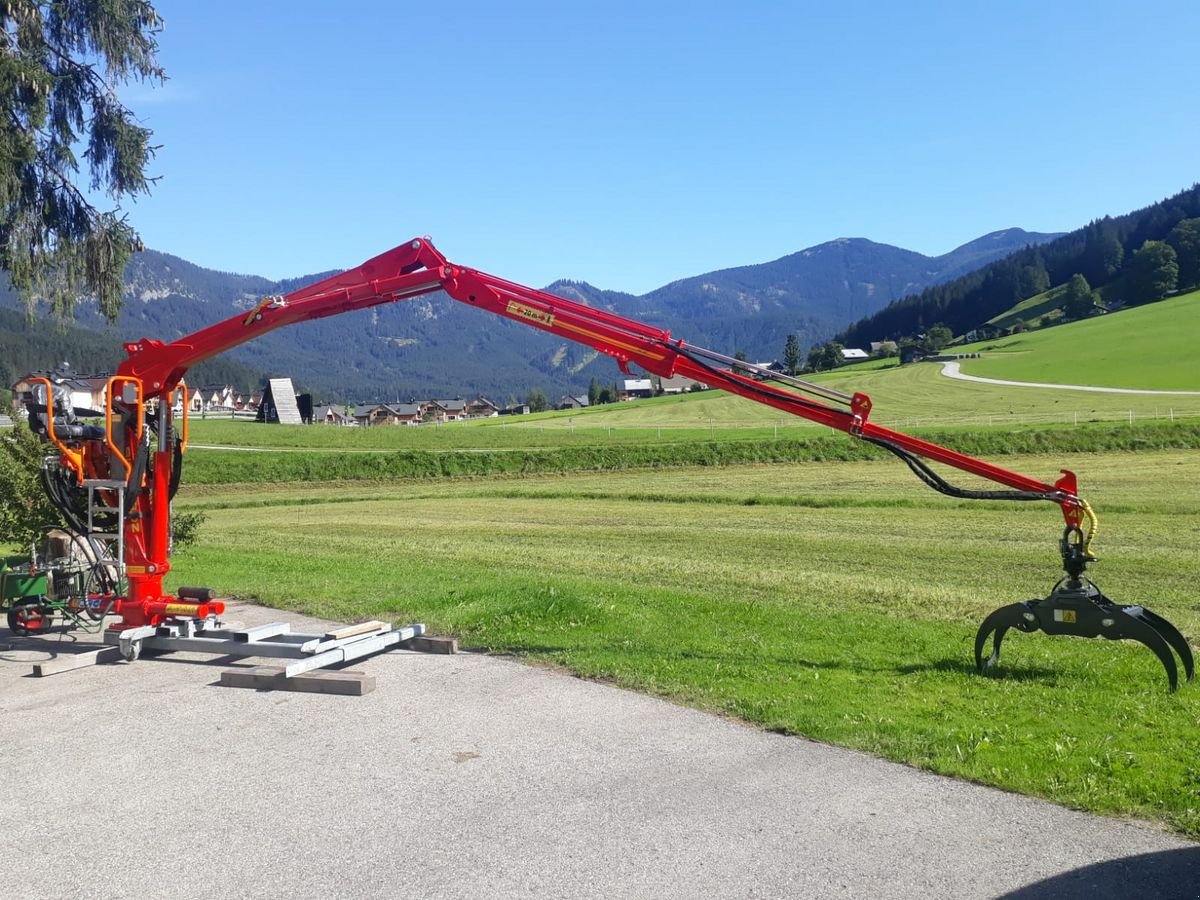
x,y
919,467
143,462
923,471
60,499
137,471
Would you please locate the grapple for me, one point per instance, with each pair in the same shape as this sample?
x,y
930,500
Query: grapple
x,y
1076,606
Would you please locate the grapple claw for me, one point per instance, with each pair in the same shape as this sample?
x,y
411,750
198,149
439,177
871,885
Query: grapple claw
x,y
1077,607
1172,636
1127,622
1015,615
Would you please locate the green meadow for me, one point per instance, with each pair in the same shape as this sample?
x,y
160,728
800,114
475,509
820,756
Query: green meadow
x,y
1148,347
834,600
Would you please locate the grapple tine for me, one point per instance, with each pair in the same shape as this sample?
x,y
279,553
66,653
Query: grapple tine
x,y
1170,634
1002,619
1130,625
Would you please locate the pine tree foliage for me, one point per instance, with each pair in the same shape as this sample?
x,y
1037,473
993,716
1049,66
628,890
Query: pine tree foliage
x,y
61,62
1154,272
1184,238
25,512
791,355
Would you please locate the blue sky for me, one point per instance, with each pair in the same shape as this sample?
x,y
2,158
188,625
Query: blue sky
x,y
630,144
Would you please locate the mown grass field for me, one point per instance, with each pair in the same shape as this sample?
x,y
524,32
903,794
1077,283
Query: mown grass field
x,y
1150,347
833,600
915,397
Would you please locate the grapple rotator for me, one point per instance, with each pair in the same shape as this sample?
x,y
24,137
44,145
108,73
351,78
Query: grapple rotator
x,y
1077,607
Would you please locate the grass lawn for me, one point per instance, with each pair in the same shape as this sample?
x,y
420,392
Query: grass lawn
x,y
1150,347
833,600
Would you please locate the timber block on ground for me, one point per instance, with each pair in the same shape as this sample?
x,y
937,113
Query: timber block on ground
x,y
272,678
429,644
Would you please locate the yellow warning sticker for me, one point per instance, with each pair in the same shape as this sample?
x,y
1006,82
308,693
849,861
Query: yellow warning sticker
x,y
1064,615
539,316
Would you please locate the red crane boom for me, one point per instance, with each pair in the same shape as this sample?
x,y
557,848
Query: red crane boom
x,y
418,268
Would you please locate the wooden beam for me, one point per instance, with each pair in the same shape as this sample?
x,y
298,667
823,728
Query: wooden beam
x,y
351,630
272,678
69,662
429,644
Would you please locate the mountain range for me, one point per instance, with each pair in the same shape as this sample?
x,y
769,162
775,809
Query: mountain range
x,y
434,346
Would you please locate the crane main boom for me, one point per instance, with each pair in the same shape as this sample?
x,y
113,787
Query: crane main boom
x,y
418,268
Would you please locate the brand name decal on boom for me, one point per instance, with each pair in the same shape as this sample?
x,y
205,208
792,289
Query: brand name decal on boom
x,y
528,312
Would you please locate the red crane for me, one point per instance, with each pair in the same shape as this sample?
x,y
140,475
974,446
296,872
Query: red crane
x,y
137,453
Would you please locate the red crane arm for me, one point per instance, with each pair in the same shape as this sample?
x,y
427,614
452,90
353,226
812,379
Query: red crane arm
x,y
418,268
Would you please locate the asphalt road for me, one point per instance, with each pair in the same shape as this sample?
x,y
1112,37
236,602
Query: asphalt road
x,y
953,370
470,776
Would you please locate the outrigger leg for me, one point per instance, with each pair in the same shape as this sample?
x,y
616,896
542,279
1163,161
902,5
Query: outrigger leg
x,y
1076,606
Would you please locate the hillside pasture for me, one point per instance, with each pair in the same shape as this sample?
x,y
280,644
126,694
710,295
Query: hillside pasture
x,y
1152,347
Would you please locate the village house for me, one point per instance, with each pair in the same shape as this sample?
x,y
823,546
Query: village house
x,y
482,408
636,388
79,391
678,384
450,410
854,354
379,414
409,413
331,415
215,398
569,402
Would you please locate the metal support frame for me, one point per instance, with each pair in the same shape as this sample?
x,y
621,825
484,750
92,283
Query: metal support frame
x,y
275,640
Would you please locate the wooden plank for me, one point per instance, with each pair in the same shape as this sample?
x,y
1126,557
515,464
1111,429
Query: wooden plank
x,y
351,630
430,644
272,678
72,661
